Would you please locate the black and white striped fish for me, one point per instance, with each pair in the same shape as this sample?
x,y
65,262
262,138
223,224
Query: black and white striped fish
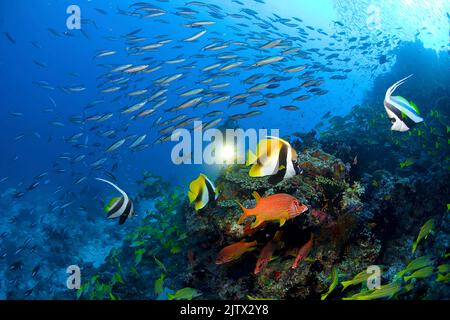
x,y
121,208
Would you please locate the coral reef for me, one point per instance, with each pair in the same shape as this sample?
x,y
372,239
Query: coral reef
x,y
333,217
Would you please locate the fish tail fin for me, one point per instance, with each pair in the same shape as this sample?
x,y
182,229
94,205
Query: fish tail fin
x,y
440,278
345,285
170,296
324,296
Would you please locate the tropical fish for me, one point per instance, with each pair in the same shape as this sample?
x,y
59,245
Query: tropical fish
x,y
138,141
196,36
358,279
403,114
290,108
426,229
234,251
266,253
443,278
202,191
414,265
334,277
159,284
386,291
421,273
408,162
303,252
444,268
116,145
105,53
120,207
275,158
184,294
277,207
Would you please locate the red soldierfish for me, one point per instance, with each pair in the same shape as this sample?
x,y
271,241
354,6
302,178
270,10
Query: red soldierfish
x,y
234,251
267,252
303,252
278,207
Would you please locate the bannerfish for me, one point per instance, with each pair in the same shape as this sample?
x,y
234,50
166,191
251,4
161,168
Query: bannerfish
x,y
202,191
402,113
119,207
277,207
274,157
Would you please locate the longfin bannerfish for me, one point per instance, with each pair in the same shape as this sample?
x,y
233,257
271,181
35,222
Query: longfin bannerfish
x,y
274,157
120,207
402,113
201,192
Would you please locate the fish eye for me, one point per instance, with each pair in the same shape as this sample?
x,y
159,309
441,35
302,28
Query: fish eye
x,y
393,120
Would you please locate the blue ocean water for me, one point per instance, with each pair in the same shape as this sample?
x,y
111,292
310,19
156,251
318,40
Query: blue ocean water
x,y
52,80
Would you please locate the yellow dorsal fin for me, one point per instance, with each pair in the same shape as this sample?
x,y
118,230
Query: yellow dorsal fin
x,y
256,195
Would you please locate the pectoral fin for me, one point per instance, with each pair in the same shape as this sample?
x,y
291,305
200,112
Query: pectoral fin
x,y
257,223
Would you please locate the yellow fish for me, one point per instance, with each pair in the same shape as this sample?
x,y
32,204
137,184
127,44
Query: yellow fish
x,y
426,229
421,273
334,282
358,279
274,157
386,291
414,265
202,191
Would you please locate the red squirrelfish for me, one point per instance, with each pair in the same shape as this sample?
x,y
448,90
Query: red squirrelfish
x,y
303,252
278,207
234,251
267,252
